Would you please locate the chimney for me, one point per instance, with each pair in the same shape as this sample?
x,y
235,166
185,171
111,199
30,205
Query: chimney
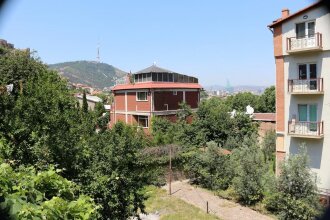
x,y
285,12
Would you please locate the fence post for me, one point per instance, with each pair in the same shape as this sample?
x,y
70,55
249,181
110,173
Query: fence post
x,y
207,207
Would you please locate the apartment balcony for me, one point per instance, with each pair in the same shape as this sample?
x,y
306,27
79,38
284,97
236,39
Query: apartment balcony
x,y
306,129
305,44
305,86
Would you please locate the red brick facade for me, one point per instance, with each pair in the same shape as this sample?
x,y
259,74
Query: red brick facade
x,y
160,102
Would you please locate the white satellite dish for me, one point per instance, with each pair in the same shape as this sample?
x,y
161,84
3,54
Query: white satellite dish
x,y
9,88
233,114
249,110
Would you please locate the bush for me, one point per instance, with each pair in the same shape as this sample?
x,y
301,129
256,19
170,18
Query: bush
x,y
27,194
249,169
210,168
269,145
296,192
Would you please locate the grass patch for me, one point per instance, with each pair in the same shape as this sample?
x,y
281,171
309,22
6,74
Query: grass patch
x,y
171,208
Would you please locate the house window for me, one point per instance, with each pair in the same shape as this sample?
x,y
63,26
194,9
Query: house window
x,y
170,77
141,96
308,113
154,77
148,77
175,92
159,77
165,77
144,77
308,72
175,77
305,29
143,121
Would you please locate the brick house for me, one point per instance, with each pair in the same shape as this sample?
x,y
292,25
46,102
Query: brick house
x,y
153,91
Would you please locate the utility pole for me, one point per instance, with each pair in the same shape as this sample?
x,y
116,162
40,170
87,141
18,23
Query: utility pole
x,y
170,172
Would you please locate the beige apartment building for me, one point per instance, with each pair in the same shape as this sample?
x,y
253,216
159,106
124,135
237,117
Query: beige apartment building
x,y
302,58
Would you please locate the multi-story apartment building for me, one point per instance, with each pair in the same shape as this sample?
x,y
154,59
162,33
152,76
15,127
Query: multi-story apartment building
x,y
153,91
302,57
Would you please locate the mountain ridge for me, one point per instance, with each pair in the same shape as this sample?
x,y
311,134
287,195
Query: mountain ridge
x,y
91,73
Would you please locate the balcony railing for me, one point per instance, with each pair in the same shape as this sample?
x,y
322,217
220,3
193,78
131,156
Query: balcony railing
x,y
309,42
306,129
305,86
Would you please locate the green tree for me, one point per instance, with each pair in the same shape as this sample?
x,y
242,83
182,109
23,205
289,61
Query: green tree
x,y
40,120
84,103
161,130
249,170
184,111
214,123
239,101
266,102
296,195
114,175
269,145
213,119
203,94
211,168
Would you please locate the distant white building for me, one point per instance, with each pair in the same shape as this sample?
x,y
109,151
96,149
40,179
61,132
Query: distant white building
x,y
91,100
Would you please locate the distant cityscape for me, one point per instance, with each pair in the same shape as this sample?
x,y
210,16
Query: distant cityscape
x,y
223,91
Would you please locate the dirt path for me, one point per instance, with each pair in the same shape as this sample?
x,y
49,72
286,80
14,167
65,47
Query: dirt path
x,y
224,209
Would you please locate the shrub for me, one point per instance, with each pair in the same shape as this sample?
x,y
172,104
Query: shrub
x,y
210,168
296,192
27,194
249,170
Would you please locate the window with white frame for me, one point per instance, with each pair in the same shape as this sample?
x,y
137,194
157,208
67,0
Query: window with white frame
x,y
143,121
175,92
141,96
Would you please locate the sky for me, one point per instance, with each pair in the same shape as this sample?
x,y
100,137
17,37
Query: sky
x,y
213,40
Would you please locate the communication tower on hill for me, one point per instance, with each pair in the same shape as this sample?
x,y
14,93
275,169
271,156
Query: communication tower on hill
x,y
98,53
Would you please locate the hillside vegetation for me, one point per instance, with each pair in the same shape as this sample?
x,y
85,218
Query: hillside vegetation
x,y
97,75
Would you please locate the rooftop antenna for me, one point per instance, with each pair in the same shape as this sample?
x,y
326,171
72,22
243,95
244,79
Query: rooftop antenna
x,y
98,53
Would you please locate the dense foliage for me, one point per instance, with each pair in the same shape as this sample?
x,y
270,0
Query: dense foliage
x,y
28,194
295,195
263,103
249,169
115,163
103,173
210,169
247,173
41,126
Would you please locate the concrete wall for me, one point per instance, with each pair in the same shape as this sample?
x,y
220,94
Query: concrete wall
x,y
318,149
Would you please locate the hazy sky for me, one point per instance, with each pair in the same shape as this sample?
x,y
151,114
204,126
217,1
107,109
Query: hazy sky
x,y
213,40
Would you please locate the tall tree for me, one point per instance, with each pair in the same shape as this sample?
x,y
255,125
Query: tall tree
x,y
114,175
249,169
84,103
241,100
266,102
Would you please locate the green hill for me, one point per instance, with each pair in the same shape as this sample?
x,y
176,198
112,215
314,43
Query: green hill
x,y
96,75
